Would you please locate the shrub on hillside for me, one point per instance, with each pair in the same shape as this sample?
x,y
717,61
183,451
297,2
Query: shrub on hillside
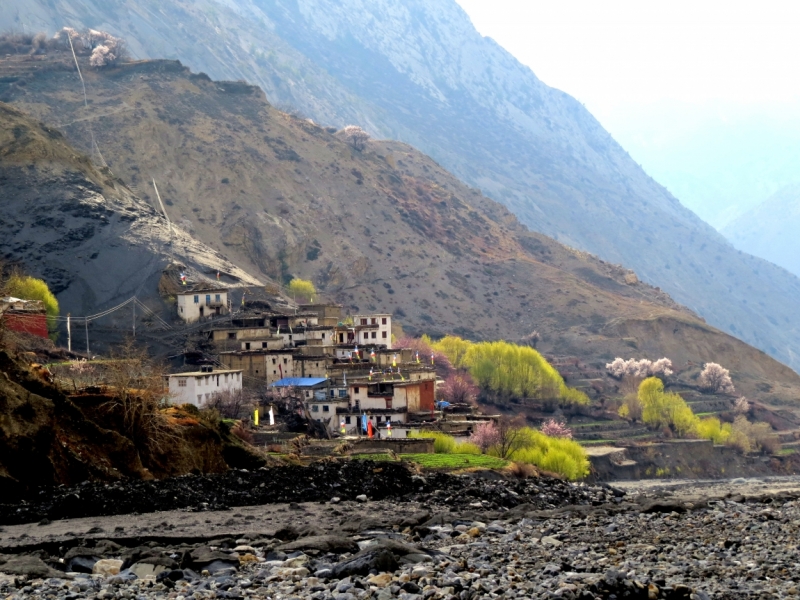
x,y
716,380
713,429
749,436
355,136
302,289
741,406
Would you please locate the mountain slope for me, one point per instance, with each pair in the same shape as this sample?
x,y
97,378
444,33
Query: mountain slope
x,y
81,229
382,229
769,230
419,72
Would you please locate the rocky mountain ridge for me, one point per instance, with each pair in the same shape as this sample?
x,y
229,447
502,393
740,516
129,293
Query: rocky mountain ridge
x,y
383,229
420,73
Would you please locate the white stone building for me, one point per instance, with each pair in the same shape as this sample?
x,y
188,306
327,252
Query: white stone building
x,y
201,302
198,387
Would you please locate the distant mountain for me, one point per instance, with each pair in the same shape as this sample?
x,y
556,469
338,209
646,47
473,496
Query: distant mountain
x,y
720,160
770,230
419,72
385,228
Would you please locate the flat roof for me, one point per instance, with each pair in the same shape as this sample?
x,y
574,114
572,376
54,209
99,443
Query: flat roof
x,y
299,382
200,373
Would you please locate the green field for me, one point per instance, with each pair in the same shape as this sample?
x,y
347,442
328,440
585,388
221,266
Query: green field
x,y
443,461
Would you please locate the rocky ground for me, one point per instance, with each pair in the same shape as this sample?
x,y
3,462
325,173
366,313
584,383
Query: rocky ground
x,y
452,537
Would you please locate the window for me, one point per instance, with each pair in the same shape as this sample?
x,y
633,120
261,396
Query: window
x,y
377,419
363,321
181,308
199,398
374,321
366,335
256,371
314,408
383,334
342,393
383,321
374,334
323,336
388,403
273,361
208,298
217,298
326,408
247,346
333,393
263,344
355,390
347,420
182,382
197,299
232,335
284,361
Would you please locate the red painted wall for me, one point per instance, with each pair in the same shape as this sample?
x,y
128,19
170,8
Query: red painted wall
x,y
33,323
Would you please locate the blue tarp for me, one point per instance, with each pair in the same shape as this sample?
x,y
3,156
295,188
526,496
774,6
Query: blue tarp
x,y
299,382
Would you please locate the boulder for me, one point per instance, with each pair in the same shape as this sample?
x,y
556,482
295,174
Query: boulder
x,y
107,567
321,543
379,559
30,566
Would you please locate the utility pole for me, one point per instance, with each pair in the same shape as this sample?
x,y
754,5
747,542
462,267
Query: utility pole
x,y
134,316
69,334
86,325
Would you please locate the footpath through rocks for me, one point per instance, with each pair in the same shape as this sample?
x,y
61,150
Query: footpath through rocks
x,y
564,541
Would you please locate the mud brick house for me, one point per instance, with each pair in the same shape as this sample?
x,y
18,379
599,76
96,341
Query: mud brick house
x,y
24,316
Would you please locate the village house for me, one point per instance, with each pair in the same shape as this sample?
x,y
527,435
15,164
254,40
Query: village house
x,y
267,365
24,316
202,301
309,388
328,315
198,387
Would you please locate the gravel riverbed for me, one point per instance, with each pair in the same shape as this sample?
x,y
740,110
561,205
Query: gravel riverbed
x,y
578,541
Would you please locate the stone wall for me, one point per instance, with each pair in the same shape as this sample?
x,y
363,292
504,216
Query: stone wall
x,y
682,459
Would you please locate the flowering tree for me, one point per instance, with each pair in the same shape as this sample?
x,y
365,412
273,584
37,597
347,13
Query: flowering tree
x,y
620,368
742,406
355,136
459,389
532,339
554,428
485,435
442,365
716,379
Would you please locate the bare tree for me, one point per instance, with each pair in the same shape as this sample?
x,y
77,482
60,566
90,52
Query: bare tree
x,y
136,386
231,404
355,136
716,379
509,435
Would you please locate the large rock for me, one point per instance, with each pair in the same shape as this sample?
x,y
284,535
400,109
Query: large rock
x,y
378,559
321,543
29,566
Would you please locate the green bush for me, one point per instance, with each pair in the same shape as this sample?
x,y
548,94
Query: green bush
x,y
661,409
442,443
713,429
466,448
557,455
508,369
30,288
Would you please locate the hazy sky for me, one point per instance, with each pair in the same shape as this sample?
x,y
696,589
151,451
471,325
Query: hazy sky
x,y
621,52
705,94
